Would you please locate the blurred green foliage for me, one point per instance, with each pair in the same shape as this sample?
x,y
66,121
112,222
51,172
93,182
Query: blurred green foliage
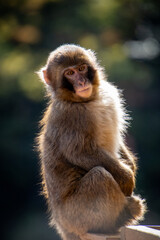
x,y
126,36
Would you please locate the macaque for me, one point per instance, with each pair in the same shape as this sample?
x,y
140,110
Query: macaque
x,y
88,171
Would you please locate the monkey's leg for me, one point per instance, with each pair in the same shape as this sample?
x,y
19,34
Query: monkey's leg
x,y
96,204
70,236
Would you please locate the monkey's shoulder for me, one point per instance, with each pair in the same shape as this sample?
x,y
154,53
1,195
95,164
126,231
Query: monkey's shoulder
x,y
110,94
114,104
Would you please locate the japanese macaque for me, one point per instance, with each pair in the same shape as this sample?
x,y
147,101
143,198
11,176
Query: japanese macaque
x,y
88,171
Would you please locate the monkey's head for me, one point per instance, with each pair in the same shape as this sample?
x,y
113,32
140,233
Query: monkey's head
x,y
71,73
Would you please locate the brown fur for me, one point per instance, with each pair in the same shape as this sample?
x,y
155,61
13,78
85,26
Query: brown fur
x,y
88,171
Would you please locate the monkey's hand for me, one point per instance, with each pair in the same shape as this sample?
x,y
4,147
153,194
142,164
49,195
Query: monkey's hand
x,y
126,180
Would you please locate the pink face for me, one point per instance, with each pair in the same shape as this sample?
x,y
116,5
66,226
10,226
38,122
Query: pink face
x,y
77,76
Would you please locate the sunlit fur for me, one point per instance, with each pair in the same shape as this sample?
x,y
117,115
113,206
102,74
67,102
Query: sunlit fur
x,y
88,172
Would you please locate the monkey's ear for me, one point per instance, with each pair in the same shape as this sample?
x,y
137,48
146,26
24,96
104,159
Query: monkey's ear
x,y
46,77
43,75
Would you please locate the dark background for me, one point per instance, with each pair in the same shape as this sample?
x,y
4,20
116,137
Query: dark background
x,y
126,36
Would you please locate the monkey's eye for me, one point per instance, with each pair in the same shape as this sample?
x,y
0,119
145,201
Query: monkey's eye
x,y
70,72
81,68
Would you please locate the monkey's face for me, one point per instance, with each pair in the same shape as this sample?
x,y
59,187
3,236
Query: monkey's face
x,y
78,77
72,73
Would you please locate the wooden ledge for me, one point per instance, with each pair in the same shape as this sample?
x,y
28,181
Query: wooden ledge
x,y
130,233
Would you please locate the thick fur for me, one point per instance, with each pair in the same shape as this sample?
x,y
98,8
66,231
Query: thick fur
x,y
88,172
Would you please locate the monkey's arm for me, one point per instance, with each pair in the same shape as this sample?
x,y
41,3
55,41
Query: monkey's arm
x,y
90,155
128,157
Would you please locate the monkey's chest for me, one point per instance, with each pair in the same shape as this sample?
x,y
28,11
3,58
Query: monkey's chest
x,y
107,132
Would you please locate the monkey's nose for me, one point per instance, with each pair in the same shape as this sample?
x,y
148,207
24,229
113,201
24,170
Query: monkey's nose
x,y
81,83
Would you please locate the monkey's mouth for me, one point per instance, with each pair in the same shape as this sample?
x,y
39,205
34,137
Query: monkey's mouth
x,y
83,89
